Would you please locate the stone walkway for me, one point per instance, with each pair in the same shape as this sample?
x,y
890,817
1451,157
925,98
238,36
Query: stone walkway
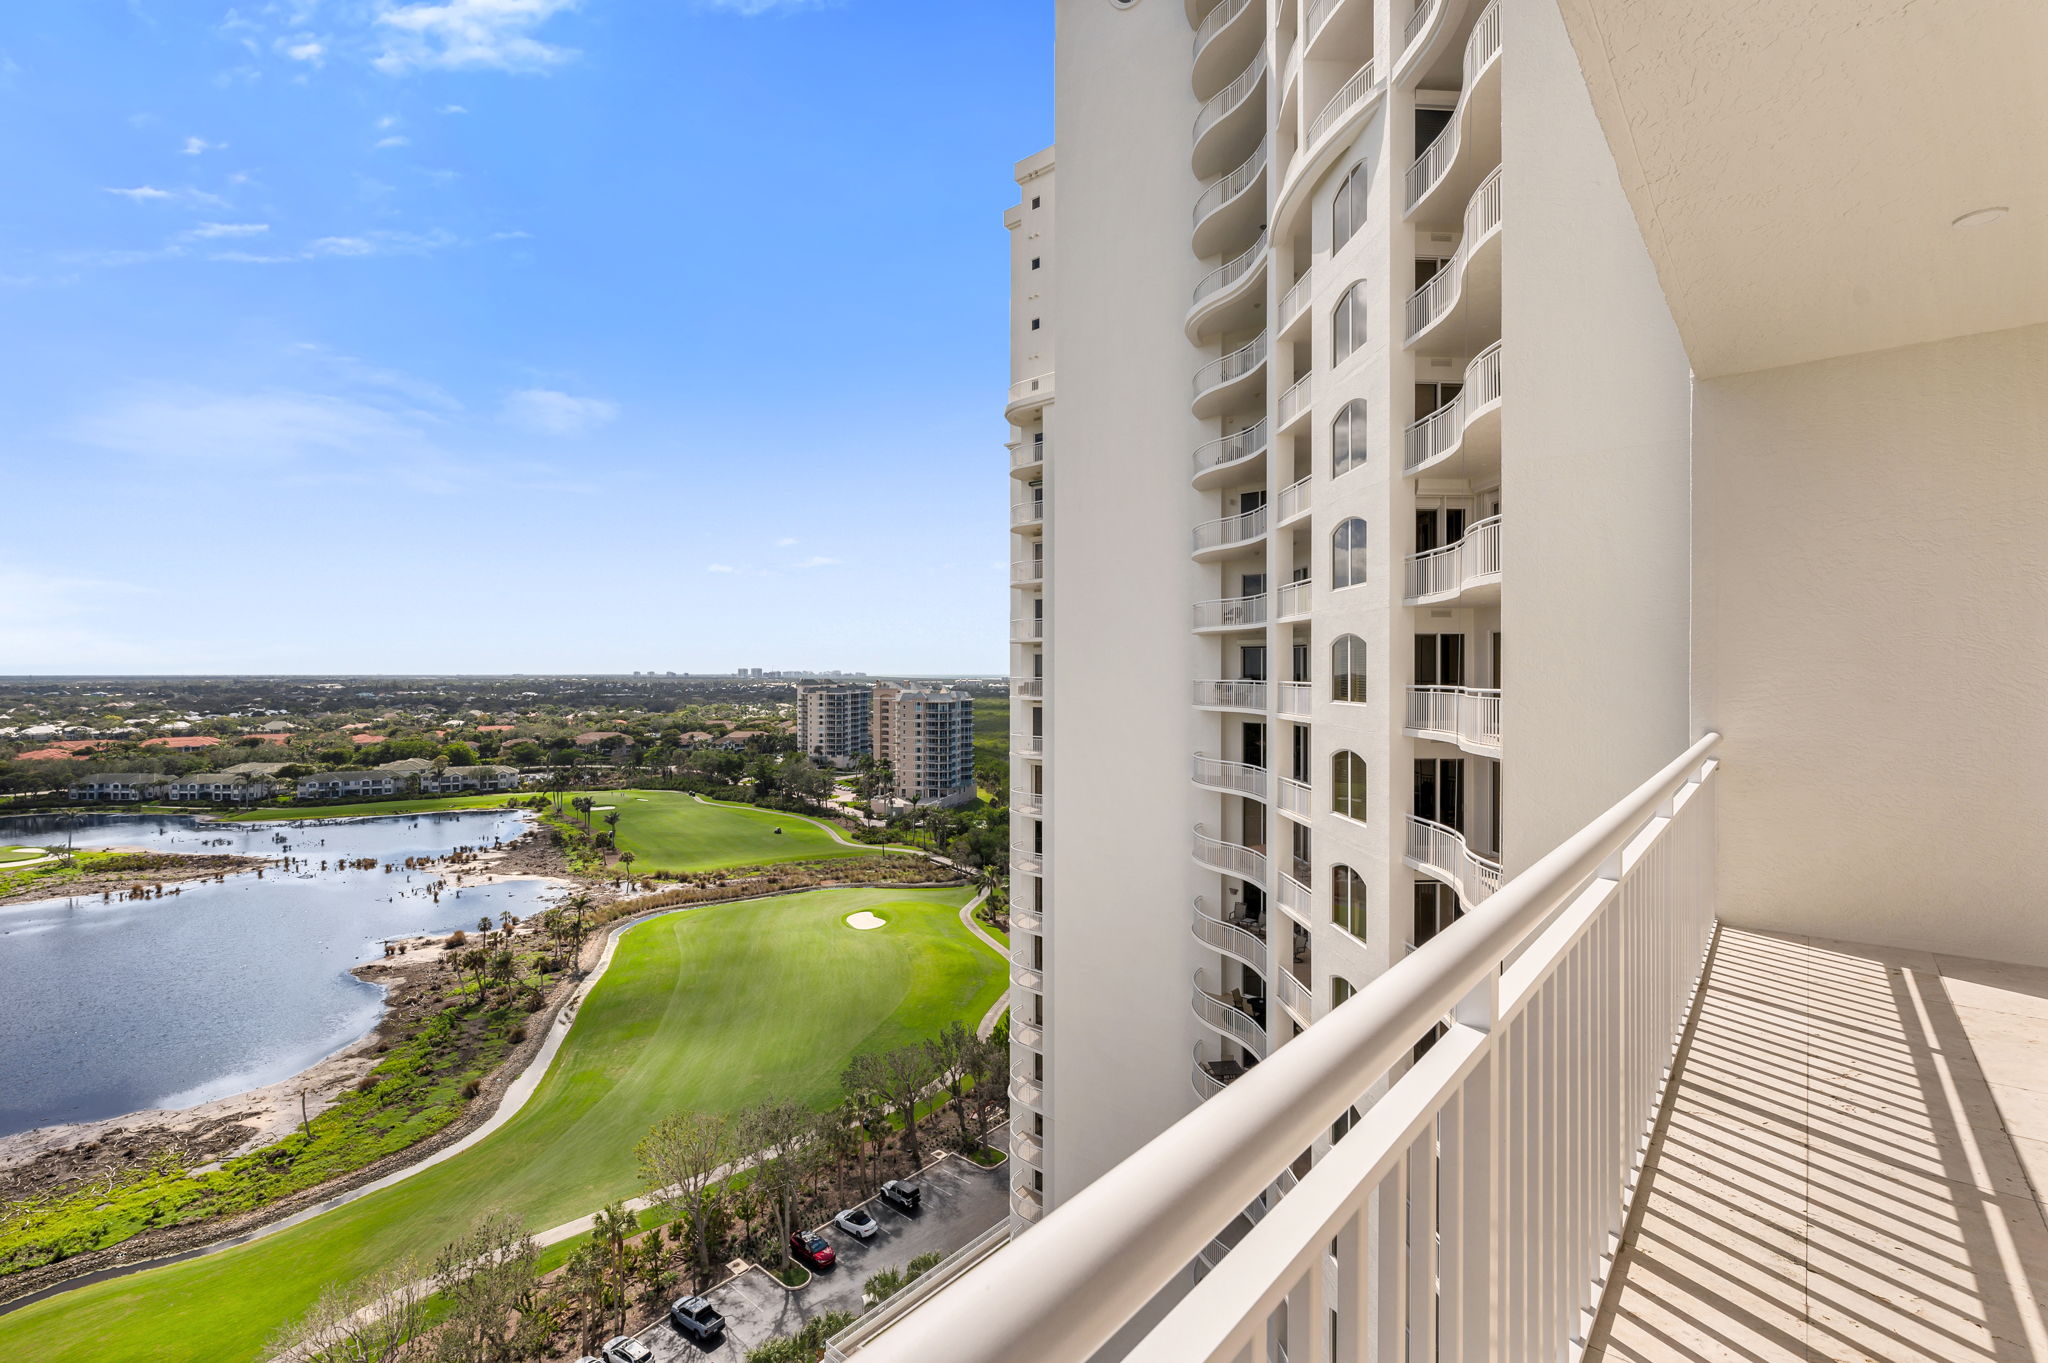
x,y
1851,1166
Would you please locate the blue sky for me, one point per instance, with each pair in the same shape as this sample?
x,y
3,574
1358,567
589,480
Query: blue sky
x,y
508,335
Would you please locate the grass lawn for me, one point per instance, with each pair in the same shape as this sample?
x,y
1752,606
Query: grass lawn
x,y
666,830
429,805
717,1007
16,853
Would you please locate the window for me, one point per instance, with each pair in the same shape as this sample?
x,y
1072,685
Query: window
x,y
1034,324
1347,214
1347,323
1347,438
1347,669
1347,785
1347,900
1034,259
1034,201
1347,554
1341,990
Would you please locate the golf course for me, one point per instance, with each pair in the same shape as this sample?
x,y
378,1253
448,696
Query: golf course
x,y
704,1008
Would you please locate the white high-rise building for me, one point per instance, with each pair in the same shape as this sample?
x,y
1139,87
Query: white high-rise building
x,y
1536,484
832,721
926,735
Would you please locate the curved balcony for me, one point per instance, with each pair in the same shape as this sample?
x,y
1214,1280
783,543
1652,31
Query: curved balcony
x,y
1469,146
1026,858
1211,1077
1230,458
1028,802
1231,695
1470,565
1238,778
1028,514
1222,1014
1230,378
1027,629
1468,716
1318,18
1028,1091
1230,118
1244,941
1295,901
1293,502
1292,601
1228,297
1460,305
1296,402
1027,457
1294,699
1229,614
1224,40
1231,858
1024,1201
1468,425
1228,535
1294,303
1027,1148
1231,208
1026,920
1028,688
1027,977
1027,396
1027,745
1027,1034
1293,797
1295,995
1351,96
1440,851
1334,128
1027,572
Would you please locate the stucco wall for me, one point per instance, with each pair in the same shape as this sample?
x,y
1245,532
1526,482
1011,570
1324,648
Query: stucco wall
x,y
1871,636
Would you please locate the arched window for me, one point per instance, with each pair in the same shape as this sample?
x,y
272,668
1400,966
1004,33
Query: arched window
x,y
1347,900
1340,990
1347,553
1347,669
1347,214
1347,323
1347,785
1347,438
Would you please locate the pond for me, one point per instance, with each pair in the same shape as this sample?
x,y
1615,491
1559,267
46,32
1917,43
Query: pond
x,y
111,1008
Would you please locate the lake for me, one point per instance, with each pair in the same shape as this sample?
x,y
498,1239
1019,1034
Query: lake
x,y
110,1008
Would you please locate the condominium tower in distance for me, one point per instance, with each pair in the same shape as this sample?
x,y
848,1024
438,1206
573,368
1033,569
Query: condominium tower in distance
x,y
832,721
924,734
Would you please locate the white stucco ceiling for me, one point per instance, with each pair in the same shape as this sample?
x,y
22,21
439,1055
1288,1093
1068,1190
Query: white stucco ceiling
x,y
1795,166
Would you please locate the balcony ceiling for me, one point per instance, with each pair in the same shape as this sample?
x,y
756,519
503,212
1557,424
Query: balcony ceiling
x,y
1795,167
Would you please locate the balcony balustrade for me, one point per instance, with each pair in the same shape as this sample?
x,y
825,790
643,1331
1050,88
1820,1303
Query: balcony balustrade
x,y
1231,613
1024,919
1028,454
1227,100
1240,363
1430,168
1024,857
1026,1202
1205,1077
1294,900
1319,12
1215,21
1418,20
1231,695
1028,1092
1230,271
1294,797
1468,716
1228,207
1293,501
1027,395
1231,449
1030,745
1243,938
1029,512
1231,858
1026,628
1295,699
1294,403
1442,852
1442,291
1292,600
1239,778
1434,438
1028,688
1230,532
1224,1013
1294,303
1348,97
1030,802
1027,977
1027,571
1295,994
1466,564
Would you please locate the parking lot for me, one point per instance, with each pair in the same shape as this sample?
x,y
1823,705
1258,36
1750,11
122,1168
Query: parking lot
x,y
961,1200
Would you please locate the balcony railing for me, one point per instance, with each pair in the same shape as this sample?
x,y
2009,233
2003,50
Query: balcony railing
x,y
1232,612
1295,699
1466,715
1028,688
1027,627
1031,392
1442,289
1231,448
1469,1213
1348,97
1229,186
1230,271
1231,695
1232,367
1233,939
1027,570
1231,858
1030,512
1025,454
1432,437
1207,1084
1027,1148
1294,994
1441,850
1480,48
1025,857
1213,22
1219,773
1227,99
1242,528
1417,20
1029,745
1027,802
1223,1014
1318,14
1295,900
1470,560
1025,1201
1292,600
1295,401
1292,501
1028,1091
1027,977
1294,796
1296,298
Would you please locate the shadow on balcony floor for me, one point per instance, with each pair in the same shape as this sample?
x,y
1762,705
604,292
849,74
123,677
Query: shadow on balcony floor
x,y
1842,1169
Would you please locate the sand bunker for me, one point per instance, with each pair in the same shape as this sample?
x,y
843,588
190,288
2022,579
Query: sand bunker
x,y
864,920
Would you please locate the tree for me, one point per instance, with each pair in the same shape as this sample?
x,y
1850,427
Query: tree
x,y
487,1279
459,755
951,1056
806,780
787,1137
806,1344
378,1319
610,1230
681,1158
611,823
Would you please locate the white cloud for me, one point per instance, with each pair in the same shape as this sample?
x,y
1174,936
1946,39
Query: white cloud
x,y
750,8
341,246
387,122
394,141
544,409
463,34
199,146
264,427
816,561
188,196
209,231
304,49
720,568
453,109
785,542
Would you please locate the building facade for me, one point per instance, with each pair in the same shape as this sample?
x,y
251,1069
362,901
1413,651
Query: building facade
x,y
833,722
929,743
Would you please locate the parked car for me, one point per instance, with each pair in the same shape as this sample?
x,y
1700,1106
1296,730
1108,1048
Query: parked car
x,y
697,1318
809,1247
622,1349
856,1222
903,1194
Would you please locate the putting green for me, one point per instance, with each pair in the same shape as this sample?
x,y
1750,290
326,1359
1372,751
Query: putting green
x,y
713,1008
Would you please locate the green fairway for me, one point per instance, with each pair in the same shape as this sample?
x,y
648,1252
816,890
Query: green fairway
x,y
428,805
717,1007
15,853
666,830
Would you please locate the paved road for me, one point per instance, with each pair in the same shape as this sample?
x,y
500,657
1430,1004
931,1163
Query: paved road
x,y
961,1200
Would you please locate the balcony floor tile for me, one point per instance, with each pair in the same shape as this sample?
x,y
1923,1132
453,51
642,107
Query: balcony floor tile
x,y
1850,1166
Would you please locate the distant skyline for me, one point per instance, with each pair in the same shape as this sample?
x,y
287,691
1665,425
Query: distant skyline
x,y
485,337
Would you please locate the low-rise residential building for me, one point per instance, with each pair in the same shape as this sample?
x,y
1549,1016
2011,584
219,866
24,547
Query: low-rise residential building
x,y
355,785
366,740
119,787
454,780
254,769
220,788
184,743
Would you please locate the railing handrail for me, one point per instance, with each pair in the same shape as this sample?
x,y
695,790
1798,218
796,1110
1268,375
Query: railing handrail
x,y
1493,691
1230,271
1060,1293
1230,185
1433,435
1296,297
1214,20
1246,443
1226,368
1434,296
1231,529
1296,396
1240,692
1318,14
1426,170
1351,92
1230,96
1026,387
1476,528
1422,11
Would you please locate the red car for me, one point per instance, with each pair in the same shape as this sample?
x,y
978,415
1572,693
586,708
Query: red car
x,y
809,1247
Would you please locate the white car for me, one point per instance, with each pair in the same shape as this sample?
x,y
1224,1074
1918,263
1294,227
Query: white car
x,y
621,1349
857,1223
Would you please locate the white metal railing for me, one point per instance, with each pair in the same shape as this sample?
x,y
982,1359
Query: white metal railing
x,y
1294,995
1207,1085
1296,298
1295,900
1026,453
1213,22
1292,70
1026,570
1429,168
1293,500
1296,399
1033,389
1227,99
1229,186
1466,715
1230,271
1027,977
1318,15
1231,448
1027,802
1230,938
1291,601
1027,920
1442,851
1226,1017
1029,1092
1232,612
1295,699
1026,1203
1349,96
1417,20
1028,512
1231,695
1031,745
1430,438
1220,773
1028,688
1231,858
1231,367
1467,1215
1026,1147
1026,858
1470,559
1027,627
1237,529
1293,796
1442,289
